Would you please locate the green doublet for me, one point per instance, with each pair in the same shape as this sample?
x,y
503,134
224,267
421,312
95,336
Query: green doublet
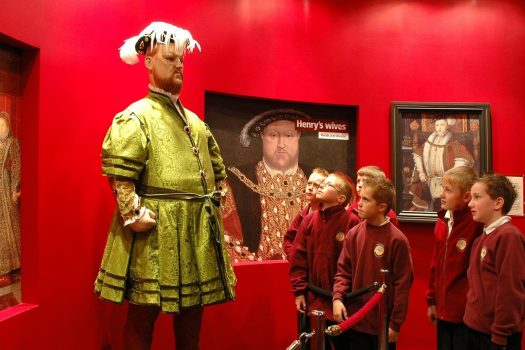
x,y
182,262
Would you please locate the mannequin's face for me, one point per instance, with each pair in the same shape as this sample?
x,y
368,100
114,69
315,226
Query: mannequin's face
x,y
4,129
165,67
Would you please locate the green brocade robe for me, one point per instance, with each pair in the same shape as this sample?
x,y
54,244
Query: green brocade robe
x,y
182,262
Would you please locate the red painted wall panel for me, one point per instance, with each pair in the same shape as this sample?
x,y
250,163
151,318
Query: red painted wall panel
x,y
365,53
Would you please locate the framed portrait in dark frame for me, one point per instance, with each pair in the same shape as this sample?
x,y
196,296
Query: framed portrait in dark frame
x,y
427,140
12,66
247,215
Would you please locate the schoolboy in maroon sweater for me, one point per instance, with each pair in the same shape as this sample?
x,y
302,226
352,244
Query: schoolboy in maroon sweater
x,y
316,248
364,173
495,310
373,245
454,234
315,179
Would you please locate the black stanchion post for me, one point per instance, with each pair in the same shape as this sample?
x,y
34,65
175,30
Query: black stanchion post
x,y
318,322
382,343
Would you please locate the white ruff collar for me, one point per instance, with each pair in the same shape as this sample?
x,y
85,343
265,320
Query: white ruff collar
x,y
173,97
274,172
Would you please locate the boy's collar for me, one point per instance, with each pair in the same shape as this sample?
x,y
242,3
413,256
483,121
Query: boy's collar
x,y
456,214
502,220
387,220
330,209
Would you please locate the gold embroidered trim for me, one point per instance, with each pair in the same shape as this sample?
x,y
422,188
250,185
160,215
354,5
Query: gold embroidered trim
x,y
441,146
258,189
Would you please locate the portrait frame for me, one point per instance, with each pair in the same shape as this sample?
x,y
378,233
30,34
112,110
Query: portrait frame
x,y
12,65
414,129
249,186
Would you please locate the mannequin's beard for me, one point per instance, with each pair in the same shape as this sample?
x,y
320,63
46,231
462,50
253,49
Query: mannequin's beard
x,y
173,86
4,134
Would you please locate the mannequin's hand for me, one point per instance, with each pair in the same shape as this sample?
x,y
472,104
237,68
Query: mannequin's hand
x,y
145,223
15,197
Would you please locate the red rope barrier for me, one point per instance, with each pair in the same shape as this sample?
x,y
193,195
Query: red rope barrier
x,y
358,316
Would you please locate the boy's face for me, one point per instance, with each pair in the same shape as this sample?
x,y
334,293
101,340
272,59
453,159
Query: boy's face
x,y
369,208
314,181
452,197
330,192
441,127
484,209
359,184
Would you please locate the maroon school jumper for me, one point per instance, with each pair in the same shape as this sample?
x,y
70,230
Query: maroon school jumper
x,y
368,249
391,214
448,285
316,248
289,237
496,275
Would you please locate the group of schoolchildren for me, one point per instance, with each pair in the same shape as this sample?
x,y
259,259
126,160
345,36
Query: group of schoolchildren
x,y
339,244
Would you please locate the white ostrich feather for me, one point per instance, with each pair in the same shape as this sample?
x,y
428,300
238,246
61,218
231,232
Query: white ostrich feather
x,y
159,33
128,54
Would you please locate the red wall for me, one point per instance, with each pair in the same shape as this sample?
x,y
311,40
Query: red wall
x,y
365,53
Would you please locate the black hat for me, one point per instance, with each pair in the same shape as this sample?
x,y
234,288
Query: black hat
x,y
257,124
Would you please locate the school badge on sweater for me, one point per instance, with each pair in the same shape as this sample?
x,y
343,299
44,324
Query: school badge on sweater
x,y
461,245
483,253
379,250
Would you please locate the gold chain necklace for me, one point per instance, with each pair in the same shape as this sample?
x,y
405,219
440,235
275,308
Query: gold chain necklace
x,y
262,191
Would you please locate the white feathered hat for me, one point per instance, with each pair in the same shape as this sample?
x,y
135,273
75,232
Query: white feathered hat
x,y
155,33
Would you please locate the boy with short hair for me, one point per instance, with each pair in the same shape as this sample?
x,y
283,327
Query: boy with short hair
x,y
370,172
454,234
315,179
495,310
316,248
369,247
